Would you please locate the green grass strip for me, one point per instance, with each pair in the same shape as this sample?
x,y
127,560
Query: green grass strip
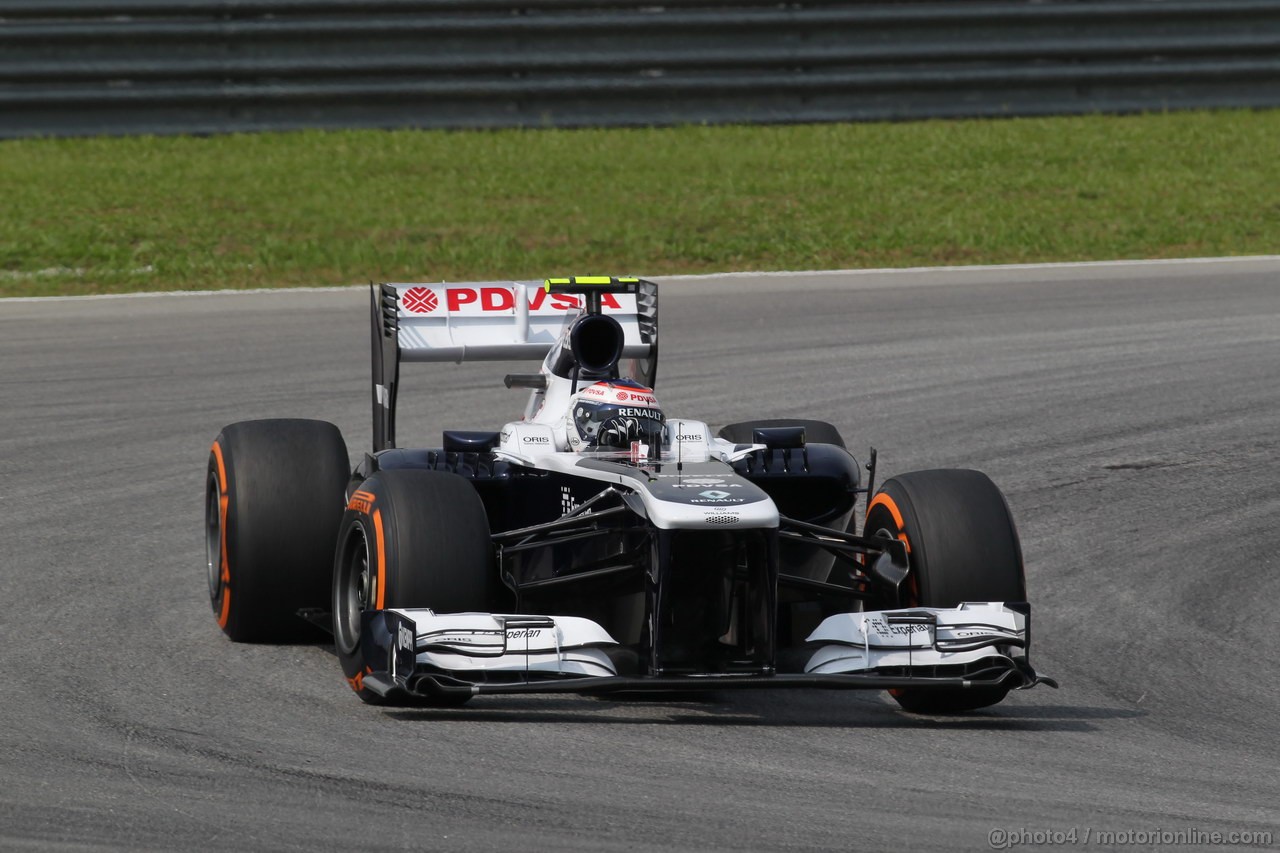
x,y
330,208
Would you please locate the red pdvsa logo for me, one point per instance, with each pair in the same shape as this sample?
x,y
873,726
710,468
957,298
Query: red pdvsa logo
x,y
419,300
422,300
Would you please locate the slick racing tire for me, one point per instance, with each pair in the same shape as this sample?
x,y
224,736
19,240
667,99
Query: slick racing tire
x,y
273,500
817,432
409,538
963,546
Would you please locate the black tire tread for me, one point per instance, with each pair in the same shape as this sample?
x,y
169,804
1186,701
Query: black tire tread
x,y
285,480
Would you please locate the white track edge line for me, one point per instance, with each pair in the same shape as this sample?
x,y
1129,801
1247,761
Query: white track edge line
x,y
1066,265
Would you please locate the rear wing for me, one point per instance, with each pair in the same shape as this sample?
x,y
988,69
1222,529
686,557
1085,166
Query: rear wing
x,y
497,321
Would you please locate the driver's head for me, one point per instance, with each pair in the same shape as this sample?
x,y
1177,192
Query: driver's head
x,y
611,414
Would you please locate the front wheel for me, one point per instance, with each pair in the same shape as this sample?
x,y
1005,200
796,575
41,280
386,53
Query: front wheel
x,y
962,546
409,539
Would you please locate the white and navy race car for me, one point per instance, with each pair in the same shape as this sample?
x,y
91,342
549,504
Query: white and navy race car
x,y
600,543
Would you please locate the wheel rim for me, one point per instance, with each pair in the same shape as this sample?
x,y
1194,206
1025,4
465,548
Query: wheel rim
x,y
213,539
357,588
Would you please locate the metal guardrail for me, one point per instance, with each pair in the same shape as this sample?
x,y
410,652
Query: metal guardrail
x,y
78,67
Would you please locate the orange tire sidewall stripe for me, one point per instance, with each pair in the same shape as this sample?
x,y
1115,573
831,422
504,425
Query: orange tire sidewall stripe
x,y
382,559
224,501
887,502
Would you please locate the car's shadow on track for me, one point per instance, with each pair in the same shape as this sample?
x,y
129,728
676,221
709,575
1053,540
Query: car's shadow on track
x,y
816,709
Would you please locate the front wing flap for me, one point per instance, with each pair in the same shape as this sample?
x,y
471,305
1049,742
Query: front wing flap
x,y
418,652
918,637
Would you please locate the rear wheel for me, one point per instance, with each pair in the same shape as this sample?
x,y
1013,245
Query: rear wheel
x,y
815,432
273,501
409,539
818,432
963,546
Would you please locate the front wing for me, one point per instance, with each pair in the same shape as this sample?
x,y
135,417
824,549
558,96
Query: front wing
x,y
412,652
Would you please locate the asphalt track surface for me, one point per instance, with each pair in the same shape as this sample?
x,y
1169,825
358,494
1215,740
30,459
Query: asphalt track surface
x,y
1130,413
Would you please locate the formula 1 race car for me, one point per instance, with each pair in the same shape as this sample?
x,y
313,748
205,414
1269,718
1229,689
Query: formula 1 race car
x,y
599,544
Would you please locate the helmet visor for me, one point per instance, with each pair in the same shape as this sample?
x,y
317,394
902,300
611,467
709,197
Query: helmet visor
x,y
609,425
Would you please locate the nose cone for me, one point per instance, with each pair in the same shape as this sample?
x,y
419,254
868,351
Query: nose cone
x,y
709,495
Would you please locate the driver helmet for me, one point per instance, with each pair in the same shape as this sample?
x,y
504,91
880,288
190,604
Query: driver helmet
x,y
611,414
